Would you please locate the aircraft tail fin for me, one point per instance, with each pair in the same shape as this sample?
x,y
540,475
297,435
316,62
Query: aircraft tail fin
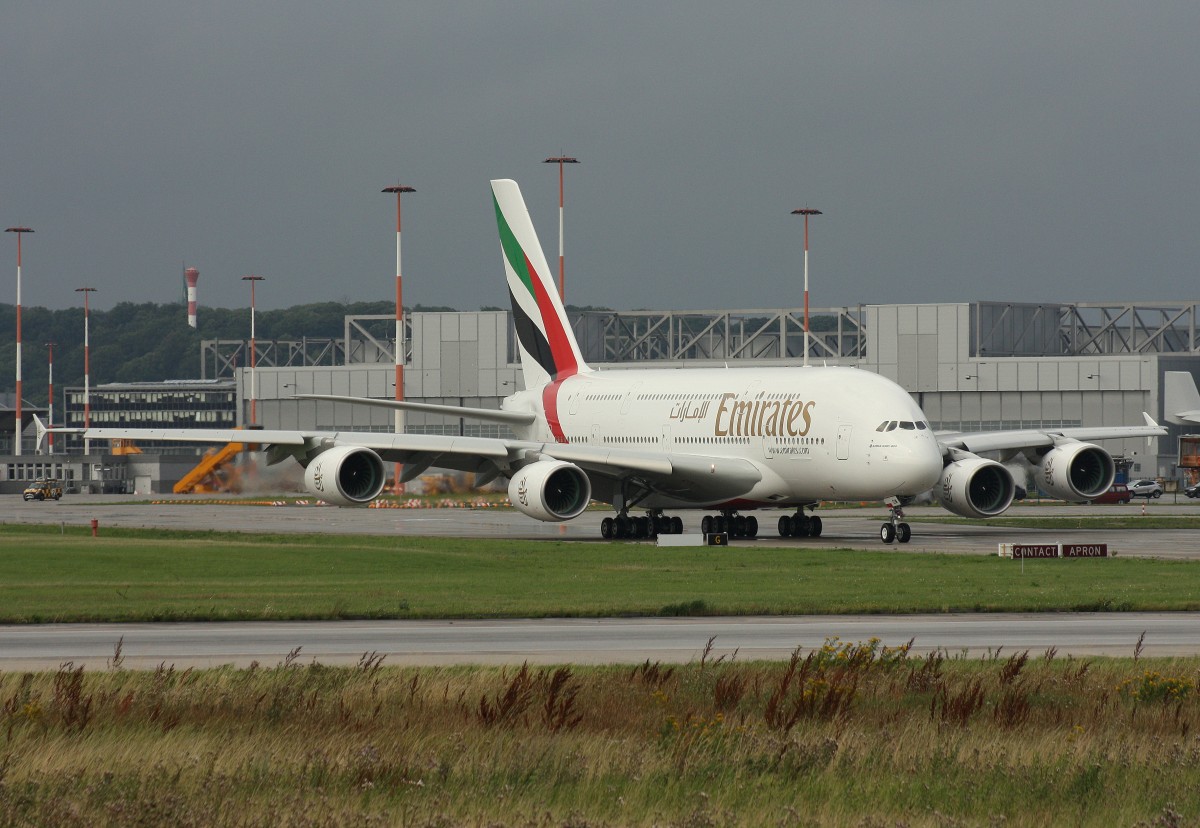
x,y
547,345
1181,400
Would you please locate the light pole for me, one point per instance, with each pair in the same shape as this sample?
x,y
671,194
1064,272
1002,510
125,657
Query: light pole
x,y
399,417
87,370
253,350
560,160
806,212
20,231
50,404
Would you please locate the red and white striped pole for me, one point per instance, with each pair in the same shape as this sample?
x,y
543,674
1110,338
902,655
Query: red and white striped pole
x,y
806,212
562,279
400,344
87,370
20,231
192,275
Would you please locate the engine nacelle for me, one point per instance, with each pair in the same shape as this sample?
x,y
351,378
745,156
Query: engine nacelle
x,y
550,490
975,488
345,476
1076,472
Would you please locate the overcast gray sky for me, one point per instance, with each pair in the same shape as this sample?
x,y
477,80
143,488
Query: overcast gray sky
x,y
1014,151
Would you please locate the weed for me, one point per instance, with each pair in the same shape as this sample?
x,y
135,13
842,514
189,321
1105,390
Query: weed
x,y
73,706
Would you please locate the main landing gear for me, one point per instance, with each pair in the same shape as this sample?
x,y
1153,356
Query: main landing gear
x,y
800,525
738,526
653,524
895,529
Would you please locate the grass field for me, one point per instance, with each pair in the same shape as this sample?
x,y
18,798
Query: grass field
x,y
138,575
846,735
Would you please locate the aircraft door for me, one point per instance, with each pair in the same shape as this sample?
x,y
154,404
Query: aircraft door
x,y
843,441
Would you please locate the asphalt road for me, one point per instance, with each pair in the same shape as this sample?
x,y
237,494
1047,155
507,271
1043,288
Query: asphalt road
x,y
587,641
593,641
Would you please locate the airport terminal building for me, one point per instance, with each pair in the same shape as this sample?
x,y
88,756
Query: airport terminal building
x,y
970,366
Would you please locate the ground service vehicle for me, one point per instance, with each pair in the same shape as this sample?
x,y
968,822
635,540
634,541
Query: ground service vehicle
x,y
43,489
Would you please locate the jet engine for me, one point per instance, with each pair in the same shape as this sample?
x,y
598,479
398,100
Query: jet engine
x,y
550,490
1076,472
976,488
345,476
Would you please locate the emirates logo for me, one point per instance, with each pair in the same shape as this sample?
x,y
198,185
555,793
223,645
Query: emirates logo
x,y
948,489
318,478
523,491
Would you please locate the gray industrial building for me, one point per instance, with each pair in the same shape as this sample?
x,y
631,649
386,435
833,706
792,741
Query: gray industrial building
x,y
979,365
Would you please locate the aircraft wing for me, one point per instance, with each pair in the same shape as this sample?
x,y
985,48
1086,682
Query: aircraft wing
x,y
1038,438
491,415
686,476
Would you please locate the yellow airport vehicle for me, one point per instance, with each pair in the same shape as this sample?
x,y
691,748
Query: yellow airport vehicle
x,y
44,489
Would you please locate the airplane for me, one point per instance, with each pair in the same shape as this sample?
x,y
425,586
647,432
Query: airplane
x,y
656,440
1181,400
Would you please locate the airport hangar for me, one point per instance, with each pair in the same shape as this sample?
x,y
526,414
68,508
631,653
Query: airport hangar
x,y
978,365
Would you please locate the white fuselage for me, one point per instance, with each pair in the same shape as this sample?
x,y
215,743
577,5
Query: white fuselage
x,y
814,433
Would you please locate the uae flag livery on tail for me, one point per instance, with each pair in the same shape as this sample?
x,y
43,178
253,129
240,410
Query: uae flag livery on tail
x,y
549,353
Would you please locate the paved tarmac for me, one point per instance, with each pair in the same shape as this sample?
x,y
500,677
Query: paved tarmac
x,y
844,528
585,641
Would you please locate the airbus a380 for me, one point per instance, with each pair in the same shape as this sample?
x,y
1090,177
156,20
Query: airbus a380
x,y
651,441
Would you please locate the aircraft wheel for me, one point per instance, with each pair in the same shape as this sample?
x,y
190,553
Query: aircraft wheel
x,y
676,526
739,526
606,528
785,526
801,527
903,533
752,526
814,526
621,527
706,524
887,533
642,527
720,524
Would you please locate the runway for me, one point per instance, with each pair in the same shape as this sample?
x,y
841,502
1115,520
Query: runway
x,y
577,641
588,641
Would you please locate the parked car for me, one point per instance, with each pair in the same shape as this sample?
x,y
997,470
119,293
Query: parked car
x,y
1119,493
1192,490
1146,488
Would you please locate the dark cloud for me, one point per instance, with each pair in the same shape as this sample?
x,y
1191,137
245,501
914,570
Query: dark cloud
x,y
1018,151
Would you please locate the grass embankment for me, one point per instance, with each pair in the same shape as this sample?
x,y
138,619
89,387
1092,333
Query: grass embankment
x,y
850,734
145,575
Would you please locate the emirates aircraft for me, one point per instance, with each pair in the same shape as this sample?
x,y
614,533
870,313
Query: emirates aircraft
x,y
732,441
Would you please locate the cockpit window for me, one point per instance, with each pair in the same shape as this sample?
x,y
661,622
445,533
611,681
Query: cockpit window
x,y
907,425
882,426
922,425
891,426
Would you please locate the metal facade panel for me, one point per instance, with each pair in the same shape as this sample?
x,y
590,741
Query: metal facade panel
x,y
927,364
469,368
451,371
1048,375
906,360
906,319
1027,375
468,327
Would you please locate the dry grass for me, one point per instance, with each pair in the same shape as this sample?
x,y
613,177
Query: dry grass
x,y
849,734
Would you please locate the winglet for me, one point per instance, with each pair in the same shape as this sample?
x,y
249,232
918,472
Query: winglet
x,y
41,433
1150,420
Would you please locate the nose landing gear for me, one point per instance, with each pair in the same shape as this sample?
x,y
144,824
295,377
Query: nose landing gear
x,y
895,529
